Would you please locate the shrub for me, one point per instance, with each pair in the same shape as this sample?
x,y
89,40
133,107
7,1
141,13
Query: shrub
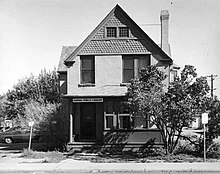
x,y
185,147
213,150
27,153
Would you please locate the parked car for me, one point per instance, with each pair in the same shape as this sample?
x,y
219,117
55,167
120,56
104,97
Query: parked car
x,y
17,135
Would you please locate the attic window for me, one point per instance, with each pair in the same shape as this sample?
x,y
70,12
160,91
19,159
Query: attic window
x,y
111,32
123,32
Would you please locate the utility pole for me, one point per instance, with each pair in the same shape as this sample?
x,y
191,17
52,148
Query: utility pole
x,y
212,81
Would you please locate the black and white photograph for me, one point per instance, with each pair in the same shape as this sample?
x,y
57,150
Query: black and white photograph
x,y
110,86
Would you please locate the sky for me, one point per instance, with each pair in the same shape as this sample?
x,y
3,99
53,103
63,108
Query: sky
x,y
32,32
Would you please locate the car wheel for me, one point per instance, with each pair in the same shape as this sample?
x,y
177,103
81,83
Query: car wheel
x,y
8,140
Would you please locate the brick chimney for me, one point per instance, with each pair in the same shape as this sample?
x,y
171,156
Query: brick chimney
x,y
164,18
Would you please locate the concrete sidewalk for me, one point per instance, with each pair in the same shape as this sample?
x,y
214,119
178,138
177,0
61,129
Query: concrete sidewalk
x,y
71,165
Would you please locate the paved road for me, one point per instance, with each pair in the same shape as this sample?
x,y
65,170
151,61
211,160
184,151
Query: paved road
x,y
85,167
120,172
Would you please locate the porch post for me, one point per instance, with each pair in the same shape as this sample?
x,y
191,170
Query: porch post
x,y
71,128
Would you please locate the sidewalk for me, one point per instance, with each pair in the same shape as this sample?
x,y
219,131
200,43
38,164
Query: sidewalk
x,y
71,165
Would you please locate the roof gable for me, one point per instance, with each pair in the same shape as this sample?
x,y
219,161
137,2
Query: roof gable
x,y
65,53
137,43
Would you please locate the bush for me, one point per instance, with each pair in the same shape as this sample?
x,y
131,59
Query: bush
x,y
185,147
27,153
213,150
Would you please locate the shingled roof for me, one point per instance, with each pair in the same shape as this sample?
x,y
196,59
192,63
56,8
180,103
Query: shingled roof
x,y
139,42
65,53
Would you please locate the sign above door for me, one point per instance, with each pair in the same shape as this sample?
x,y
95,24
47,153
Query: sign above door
x,y
87,100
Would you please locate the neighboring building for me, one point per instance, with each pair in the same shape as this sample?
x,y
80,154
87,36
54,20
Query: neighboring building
x,y
94,75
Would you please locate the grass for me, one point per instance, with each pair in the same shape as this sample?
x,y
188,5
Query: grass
x,y
124,158
49,157
113,157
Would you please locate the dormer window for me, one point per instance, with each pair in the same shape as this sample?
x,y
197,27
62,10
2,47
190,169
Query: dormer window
x,y
123,32
117,32
111,31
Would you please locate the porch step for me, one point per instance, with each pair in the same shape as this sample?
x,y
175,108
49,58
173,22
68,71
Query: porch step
x,y
90,146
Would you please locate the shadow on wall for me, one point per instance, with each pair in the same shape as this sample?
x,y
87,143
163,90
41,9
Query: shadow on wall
x,y
116,141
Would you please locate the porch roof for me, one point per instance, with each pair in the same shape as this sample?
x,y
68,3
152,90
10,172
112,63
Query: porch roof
x,y
103,91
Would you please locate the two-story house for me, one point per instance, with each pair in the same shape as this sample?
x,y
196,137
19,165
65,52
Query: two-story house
x,y
94,75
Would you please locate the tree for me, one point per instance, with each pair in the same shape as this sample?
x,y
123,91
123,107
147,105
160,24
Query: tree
x,y
214,119
43,89
169,110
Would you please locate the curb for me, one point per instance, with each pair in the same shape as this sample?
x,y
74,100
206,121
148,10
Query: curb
x,y
85,166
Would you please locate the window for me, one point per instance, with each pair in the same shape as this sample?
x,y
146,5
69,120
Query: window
x,y
125,121
111,32
132,64
128,69
116,32
116,116
87,69
123,32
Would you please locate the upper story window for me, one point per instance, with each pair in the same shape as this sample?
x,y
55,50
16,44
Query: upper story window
x,y
111,32
87,69
117,32
123,32
132,64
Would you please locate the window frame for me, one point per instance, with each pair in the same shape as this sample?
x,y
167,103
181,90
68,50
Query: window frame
x,y
121,30
109,32
91,70
118,32
136,64
117,112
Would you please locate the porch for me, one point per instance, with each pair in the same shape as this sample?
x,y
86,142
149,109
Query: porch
x,y
121,140
105,123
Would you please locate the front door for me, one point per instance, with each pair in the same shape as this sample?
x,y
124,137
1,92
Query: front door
x,y
87,121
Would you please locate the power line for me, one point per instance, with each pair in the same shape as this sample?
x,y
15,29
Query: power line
x,y
148,24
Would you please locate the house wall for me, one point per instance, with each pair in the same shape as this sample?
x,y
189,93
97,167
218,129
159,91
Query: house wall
x,y
63,82
73,76
99,121
108,71
135,136
162,67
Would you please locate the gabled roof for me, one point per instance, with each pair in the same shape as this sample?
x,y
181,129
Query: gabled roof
x,y
93,44
66,51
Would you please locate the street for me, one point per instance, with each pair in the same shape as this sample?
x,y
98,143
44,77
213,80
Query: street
x,y
11,162
116,172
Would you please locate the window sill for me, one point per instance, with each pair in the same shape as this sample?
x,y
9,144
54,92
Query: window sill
x,y
124,84
86,85
131,129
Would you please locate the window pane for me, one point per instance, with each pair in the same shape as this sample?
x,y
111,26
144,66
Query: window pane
x,y
128,63
111,31
140,122
123,32
128,75
87,63
109,122
87,77
142,63
87,69
125,122
128,69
